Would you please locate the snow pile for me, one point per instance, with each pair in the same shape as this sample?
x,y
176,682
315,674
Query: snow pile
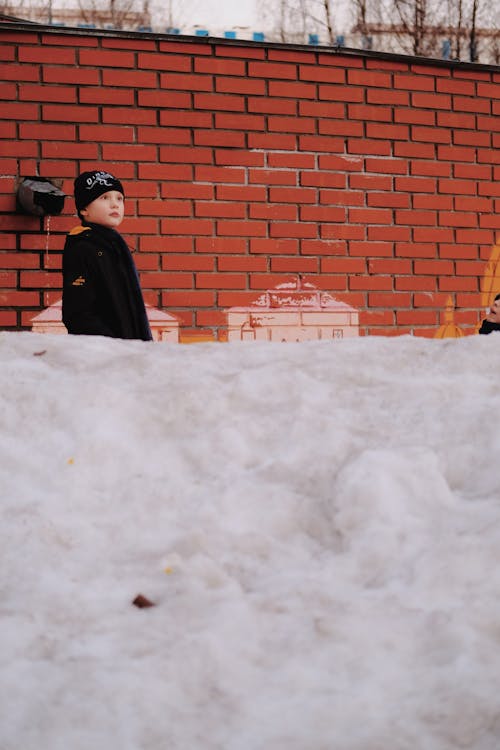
x,y
316,524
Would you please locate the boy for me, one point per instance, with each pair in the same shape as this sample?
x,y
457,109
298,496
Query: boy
x,y
492,320
101,291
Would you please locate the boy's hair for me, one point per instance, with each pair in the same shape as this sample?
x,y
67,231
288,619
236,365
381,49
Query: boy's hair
x,y
90,185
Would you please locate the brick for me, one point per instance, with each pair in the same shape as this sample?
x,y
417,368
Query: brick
x,y
370,182
8,91
294,265
246,264
321,109
430,135
389,233
274,246
390,299
161,280
363,146
434,267
431,101
291,161
274,212
414,150
220,280
415,217
392,132
186,155
164,208
292,56
272,141
292,229
367,112
185,119
218,245
272,177
224,138
458,284
370,283
68,113
415,116
133,79
488,123
340,93
224,102
184,47
45,54
321,75
292,195
231,175
239,121
461,187
393,266
19,111
341,127
468,138
433,235
191,298
456,120
56,150
296,90
430,202
415,283
248,193
47,132
111,59
158,61
388,97
490,156
220,210
471,104
264,105
160,99
321,143
343,265
323,247
164,136
469,268
187,226
457,219
41,93
456,153
370,216
370,79
430,169
454,86
241,228
488,90
341,163
371,249
283,71
414,83
415,317
323,179
219,67
71,75
8,318
40,279
342,197
248,86
325,214
19,299
106,133
385,200
415,184
237,157
18,73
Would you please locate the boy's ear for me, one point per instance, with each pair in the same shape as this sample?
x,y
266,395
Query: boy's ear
x,y
83,212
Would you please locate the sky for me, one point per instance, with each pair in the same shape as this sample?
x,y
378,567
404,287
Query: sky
x,y
316,526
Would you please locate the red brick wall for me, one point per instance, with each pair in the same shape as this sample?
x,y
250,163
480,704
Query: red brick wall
x,y
245,165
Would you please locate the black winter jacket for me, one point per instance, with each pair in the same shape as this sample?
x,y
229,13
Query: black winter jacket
x,y
487,327
101,291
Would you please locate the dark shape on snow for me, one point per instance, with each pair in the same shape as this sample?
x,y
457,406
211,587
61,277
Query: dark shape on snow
x,y
142,602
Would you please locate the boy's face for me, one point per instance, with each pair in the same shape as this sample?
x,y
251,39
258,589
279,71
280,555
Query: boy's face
x,y
107,210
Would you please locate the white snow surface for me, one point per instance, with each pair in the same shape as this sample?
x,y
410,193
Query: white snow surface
x,y
317,525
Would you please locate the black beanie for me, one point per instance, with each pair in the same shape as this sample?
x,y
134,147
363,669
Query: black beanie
x,y
90,185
